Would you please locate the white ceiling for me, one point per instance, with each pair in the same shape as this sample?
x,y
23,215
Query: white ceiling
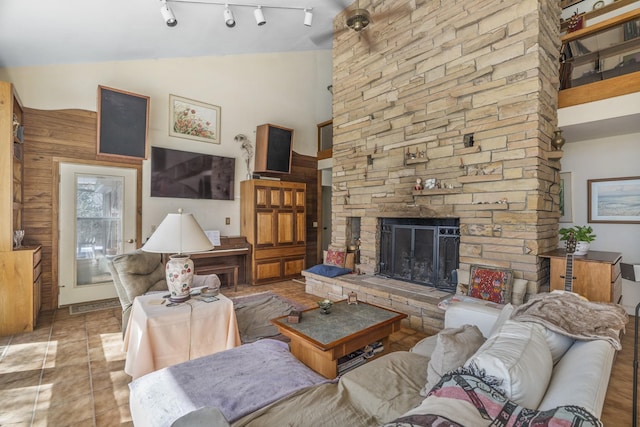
x,y
43,32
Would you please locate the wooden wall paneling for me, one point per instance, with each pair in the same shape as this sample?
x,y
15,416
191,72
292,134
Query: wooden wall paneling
x,y
52,137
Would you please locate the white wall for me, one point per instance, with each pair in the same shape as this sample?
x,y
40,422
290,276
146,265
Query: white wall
x,y
617,156
288,89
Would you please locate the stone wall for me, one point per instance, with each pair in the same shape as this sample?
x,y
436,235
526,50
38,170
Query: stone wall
x,y
435,71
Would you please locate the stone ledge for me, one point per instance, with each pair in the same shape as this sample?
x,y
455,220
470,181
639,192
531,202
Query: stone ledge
x,y
419,303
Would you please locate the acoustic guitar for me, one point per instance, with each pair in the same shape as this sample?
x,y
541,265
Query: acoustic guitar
x,y
568,273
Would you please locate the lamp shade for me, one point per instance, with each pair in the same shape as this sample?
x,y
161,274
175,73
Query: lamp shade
x,y
178,233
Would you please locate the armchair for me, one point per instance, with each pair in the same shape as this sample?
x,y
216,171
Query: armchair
x,y
137,273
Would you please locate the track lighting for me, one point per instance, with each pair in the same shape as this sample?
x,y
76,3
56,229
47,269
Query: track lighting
x,y
228,17
259,16
308,17
167,14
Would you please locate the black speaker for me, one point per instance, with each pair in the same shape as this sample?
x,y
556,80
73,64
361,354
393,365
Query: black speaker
x,y
273,149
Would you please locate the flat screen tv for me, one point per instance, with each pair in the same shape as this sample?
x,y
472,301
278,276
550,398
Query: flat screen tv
x,y
187,175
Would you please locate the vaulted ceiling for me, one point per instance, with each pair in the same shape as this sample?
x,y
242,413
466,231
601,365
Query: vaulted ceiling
x,y
42,32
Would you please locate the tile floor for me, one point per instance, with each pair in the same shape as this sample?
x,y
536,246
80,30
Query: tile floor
x,y
69,371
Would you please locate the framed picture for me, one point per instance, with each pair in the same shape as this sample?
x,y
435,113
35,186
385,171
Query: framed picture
x,y
566,197
194,120
614,200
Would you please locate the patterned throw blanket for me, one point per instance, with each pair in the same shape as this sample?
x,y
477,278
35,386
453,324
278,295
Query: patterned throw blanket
x,y
462,400
569,314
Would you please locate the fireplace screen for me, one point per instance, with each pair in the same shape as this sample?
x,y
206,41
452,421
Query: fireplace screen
x,y
420,250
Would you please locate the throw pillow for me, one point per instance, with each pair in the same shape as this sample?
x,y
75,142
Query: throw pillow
x,y
336,257
453,347
518,355
491,284
328,270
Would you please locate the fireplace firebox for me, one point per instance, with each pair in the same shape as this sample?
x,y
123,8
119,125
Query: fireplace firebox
x,y
420,250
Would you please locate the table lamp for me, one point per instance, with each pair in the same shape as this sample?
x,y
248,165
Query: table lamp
x,y
178,234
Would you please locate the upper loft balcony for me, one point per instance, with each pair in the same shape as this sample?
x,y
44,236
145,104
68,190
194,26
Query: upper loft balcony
x,y
601,61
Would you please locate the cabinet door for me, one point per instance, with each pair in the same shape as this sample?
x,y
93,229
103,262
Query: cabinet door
x,y
301,227
267,270
285,228
262,197
275,198
287,197
264,228
300,199
293,266
593,280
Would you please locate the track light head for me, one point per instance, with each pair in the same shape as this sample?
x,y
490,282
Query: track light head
x,y
228,17
167,14
259,16
308,17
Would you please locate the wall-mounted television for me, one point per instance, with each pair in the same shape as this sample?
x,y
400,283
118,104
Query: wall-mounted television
x,y
187,175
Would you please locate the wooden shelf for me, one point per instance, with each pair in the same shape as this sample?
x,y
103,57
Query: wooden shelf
x,y
479,178
417,160
490,206
437,191
554,155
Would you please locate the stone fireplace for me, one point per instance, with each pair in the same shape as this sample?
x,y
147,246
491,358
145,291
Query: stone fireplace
x,y
420,250
461,94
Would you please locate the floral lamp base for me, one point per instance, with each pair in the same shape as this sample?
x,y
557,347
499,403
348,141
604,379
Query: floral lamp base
x,y
179,270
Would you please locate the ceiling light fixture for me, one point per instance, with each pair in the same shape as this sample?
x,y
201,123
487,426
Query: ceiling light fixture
x,y
228,17
259,16
167,14
308,17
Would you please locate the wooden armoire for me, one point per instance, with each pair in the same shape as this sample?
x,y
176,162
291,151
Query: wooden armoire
x,y
273,221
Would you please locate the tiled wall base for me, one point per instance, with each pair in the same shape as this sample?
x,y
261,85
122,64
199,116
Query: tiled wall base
x,y
420,303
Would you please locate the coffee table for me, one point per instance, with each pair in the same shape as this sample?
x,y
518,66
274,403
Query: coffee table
x,y
319,340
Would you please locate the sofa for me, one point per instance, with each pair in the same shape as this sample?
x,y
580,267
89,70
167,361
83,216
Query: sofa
x,y
545,375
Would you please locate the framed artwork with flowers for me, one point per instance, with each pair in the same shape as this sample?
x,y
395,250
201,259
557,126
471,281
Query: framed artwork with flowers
x,y
194,120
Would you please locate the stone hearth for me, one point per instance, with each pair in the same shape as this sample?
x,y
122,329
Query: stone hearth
x,y
418,302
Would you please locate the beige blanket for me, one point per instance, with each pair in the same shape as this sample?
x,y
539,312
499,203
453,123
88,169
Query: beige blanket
x,y
373,394
568,314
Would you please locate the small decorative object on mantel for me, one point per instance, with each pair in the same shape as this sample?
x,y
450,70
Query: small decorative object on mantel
x,y
294,316
352,298
325,306
418,185
557,141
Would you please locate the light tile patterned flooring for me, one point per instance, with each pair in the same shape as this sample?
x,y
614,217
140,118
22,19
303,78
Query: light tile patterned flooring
x,y
69,371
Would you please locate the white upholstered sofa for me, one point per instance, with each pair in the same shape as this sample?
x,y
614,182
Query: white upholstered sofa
x,y
541,371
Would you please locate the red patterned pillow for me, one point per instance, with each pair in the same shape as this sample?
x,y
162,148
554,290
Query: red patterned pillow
x,y
336,257
490,284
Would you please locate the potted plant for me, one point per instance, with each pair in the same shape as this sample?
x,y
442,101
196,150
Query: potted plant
x,y
583,236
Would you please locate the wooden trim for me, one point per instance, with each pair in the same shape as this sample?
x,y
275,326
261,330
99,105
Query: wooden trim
x,y
615,86
319,216
600,26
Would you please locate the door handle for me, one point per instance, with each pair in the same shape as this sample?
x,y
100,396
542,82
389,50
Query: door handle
x,y
131,240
